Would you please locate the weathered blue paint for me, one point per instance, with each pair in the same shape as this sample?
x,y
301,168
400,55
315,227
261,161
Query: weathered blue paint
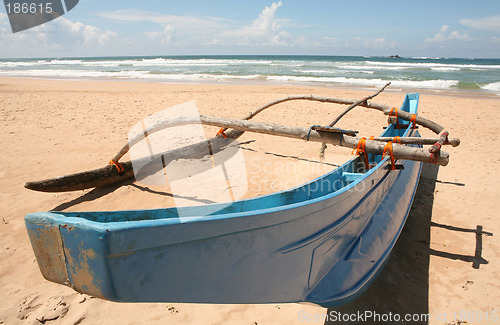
x,y
322,242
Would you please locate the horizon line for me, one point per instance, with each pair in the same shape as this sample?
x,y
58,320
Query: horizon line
x,y
394,56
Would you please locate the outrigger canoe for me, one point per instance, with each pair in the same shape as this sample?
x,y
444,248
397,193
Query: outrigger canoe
x,y
323,242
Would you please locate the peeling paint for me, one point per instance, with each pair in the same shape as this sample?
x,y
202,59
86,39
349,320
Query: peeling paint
x,y
81,271
48,247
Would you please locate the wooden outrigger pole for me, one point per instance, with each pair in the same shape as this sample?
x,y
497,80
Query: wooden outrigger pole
x,y
337,137
117,172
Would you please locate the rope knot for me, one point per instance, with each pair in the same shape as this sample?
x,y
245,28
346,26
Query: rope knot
x,y
413,121
221,132
118,166
361,151
388,148
395,111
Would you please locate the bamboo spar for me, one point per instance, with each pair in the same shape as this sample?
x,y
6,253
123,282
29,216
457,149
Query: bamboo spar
x,y
347,110
372,146
454,142
352,102
386,109
109,175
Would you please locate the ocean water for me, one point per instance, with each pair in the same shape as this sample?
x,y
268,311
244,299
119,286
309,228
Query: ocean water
x,y
438,74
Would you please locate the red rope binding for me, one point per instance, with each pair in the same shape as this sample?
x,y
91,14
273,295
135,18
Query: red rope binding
x,y
361,150
446,134
221,132
388,147
438,146
413,120
434,158
118,166
434,155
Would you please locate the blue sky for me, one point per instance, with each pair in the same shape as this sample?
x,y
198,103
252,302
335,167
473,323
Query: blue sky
x,y
438,28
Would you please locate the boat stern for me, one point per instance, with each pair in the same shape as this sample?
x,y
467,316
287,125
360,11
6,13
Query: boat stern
x,y
69,255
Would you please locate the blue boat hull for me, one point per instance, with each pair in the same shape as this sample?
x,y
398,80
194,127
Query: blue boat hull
x,y
322,242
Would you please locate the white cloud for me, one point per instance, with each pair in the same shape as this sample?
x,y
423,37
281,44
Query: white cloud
x,y
455,35
177,22
265,30
264,25
491,24
165,36
176,31
52,38
89,34
453,43
62,33
444,35
5,29
440,36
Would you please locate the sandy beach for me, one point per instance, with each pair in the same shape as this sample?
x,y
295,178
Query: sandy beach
x,y
445,263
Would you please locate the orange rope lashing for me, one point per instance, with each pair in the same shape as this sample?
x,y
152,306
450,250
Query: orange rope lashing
x,y
118,166
361,150
221,132
388,148
395,110
396,139
413,120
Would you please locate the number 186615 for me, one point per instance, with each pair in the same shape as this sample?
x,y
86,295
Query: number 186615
x,y
29,8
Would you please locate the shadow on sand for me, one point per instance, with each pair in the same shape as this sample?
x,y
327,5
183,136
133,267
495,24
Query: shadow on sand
x,y
92,195
99,192
403,286
477,260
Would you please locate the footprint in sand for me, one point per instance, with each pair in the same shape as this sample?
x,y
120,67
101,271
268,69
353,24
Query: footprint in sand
x,y
27,306
55,308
